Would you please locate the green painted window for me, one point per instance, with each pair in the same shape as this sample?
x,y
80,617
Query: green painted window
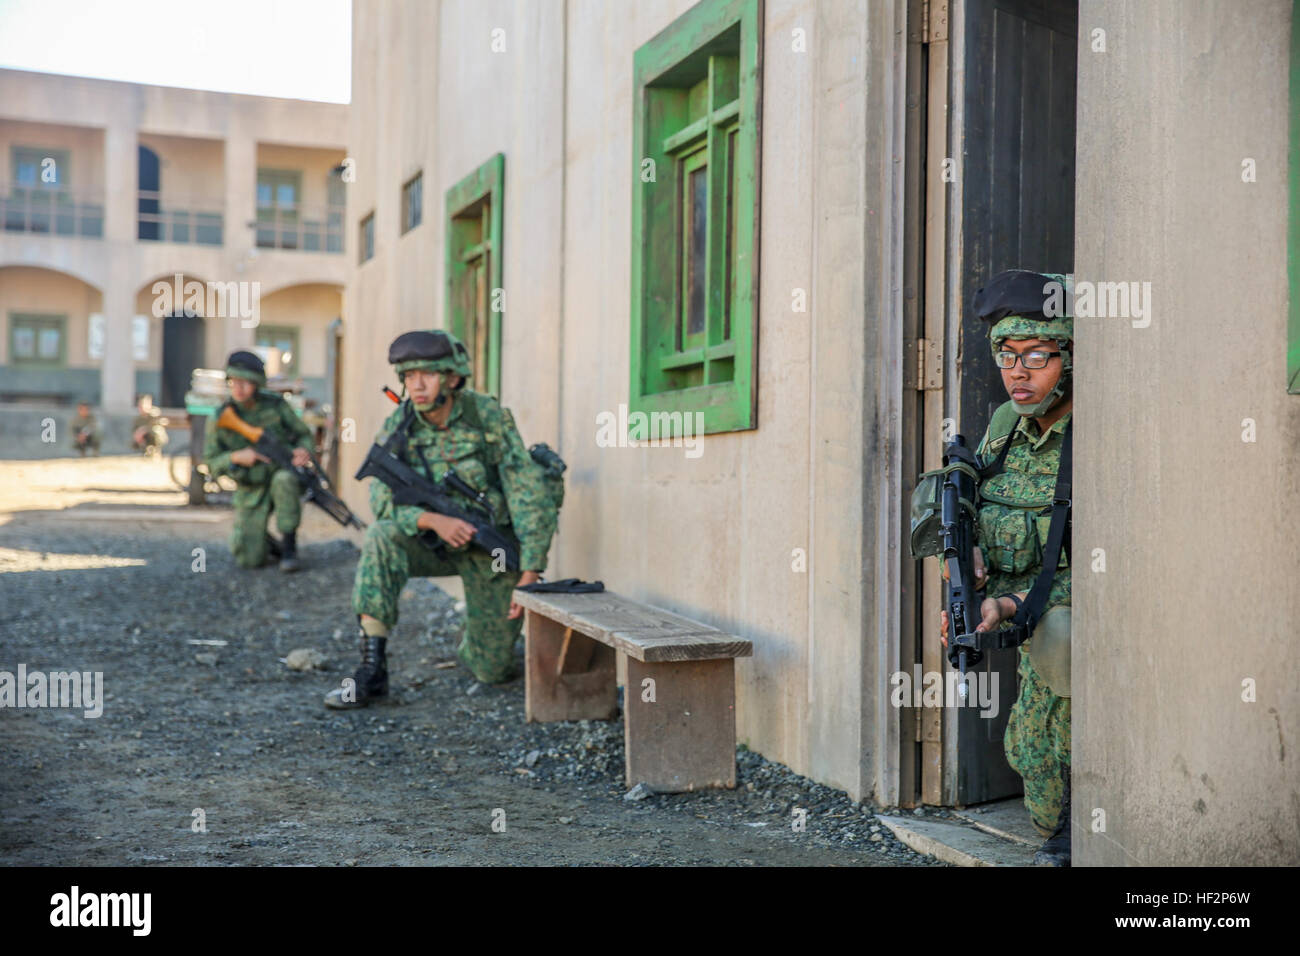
x,y
38,340
367,243
1293,239
475,294
413,202
694,302
285,339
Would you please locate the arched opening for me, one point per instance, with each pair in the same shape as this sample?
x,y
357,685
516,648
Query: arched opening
x,y
174,308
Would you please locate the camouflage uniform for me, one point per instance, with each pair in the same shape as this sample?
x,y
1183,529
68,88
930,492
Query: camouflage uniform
x,y
155,435
91,441
1012,534
263,487
480,441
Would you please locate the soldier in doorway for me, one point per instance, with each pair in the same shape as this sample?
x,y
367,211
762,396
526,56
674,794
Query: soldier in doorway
x,y
1024,447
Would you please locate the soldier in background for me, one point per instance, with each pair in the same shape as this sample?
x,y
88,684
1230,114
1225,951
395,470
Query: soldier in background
x,y
85,430
446,426
263,488
148,431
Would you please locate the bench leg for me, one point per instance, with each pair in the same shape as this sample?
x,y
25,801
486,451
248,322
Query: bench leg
x,y
685,738
568,676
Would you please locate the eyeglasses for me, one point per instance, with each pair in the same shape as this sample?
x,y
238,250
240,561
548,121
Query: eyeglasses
x,y
1028,359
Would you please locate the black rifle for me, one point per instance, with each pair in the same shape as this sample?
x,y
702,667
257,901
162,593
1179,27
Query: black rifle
x,y
409,487
958,530
313,485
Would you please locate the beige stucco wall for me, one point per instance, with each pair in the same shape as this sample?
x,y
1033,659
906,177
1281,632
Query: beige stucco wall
x,y
25,290
313,164
190,171
85,146
219,133
712,537
310,309
1198,526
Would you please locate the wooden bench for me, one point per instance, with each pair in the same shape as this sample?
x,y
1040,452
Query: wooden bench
x,y
679,706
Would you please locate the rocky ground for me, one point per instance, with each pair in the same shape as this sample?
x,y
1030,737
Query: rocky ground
x,y
211,749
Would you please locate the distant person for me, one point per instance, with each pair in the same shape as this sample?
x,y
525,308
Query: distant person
x,y
263,487
85,430
148,431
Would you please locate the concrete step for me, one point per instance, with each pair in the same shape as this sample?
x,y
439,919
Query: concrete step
x,y
964,843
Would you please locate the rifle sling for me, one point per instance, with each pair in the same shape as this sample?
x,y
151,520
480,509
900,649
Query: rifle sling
x,y
1058,534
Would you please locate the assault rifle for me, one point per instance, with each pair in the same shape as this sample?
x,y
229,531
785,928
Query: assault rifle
x,y
957,527
314,487
409,487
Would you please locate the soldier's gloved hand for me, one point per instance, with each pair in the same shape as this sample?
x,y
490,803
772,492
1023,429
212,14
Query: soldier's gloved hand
x,y
454,531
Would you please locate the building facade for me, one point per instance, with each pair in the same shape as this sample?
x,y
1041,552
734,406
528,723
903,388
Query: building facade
x,y
754,228
125,207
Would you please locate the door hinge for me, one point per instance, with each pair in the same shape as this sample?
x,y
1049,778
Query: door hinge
x,y
929,365
934,20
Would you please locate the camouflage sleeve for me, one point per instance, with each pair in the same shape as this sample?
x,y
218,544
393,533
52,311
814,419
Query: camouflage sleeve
x,y
381,504
216,455
531,512
217,447
296,428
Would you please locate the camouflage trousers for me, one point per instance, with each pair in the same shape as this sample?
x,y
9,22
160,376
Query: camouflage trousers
x,y
1037,743
390,558
248,534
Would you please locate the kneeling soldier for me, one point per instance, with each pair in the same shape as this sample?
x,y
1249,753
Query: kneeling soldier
x,y
263,487
443,426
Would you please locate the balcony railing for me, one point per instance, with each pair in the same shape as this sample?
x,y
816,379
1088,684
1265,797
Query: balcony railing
x,y
52,211
159,224
303,228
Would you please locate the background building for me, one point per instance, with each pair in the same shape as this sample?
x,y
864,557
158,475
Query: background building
x,y
107,188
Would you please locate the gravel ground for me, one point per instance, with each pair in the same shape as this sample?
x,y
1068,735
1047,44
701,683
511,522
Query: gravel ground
x,y
230,730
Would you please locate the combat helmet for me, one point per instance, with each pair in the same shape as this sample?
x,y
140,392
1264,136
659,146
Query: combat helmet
x,y
434,351
1020,304
246,365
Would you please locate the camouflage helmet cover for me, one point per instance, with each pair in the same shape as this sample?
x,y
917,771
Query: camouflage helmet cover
x,y
246,365
431,350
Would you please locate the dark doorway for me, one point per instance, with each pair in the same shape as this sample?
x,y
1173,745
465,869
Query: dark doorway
x,y
149,178
1017,211
182,353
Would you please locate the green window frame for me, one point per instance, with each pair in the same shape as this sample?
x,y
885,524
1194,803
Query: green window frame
x,y
279,208
277,336
694,310
475,294
1293,227
412,202
366,243
30,338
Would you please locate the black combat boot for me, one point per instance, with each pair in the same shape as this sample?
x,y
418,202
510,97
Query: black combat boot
x,y
370,679
289,551
1056,851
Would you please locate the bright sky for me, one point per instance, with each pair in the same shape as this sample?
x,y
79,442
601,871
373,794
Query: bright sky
x,y
301,49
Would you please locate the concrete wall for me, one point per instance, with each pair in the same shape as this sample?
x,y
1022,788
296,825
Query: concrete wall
x,y
190,173
85,146
220,133
712,537
1198,526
